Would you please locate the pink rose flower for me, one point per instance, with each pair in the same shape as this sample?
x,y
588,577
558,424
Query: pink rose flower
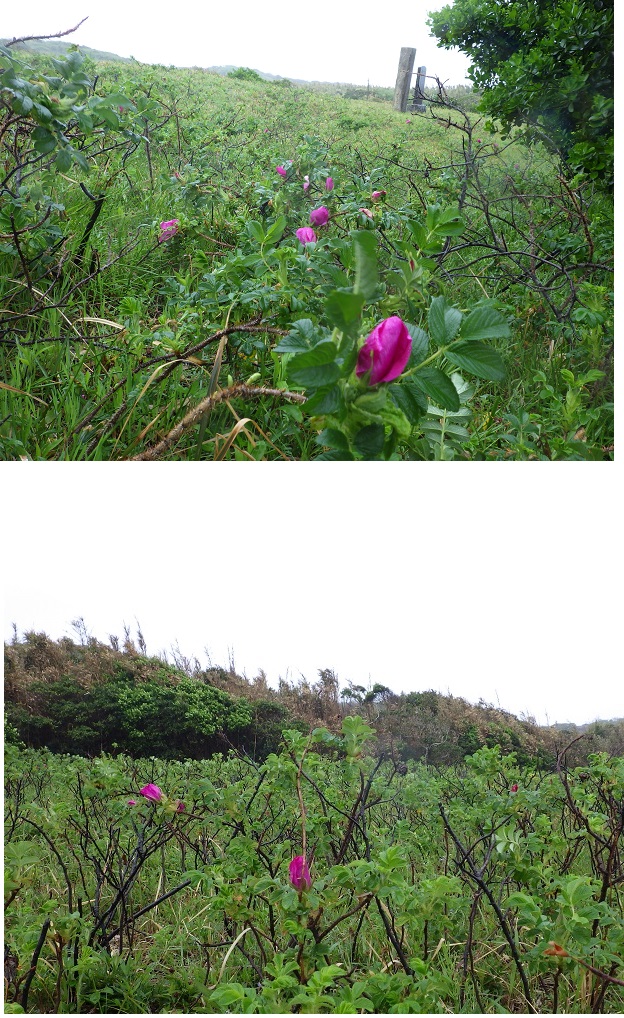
x,y
306,183
385,352
151,792
367,212
376,195
329,184
132,802
180,807
514,788
306,235
282,172
318,217
300,874
168,229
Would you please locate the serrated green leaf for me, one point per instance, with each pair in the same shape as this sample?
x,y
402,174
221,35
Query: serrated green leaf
x,y
276,230
316,367
22,103
420,344
333,439
81,160
484,323
63,160
303,336
433,216
478,359
118,99
343,309
438,386
418,232
410,399
109,116
255,231
326,400
444,321
366,276
43,140
369,440
335,454
450,223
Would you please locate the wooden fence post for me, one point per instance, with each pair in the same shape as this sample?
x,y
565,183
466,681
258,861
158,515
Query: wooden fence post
x,y
419,91
404,78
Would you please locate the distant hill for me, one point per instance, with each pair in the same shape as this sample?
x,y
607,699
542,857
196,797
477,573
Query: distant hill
x,y
569,726
57,47
56,690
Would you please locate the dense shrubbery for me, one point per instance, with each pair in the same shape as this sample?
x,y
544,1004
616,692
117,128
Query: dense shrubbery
x,y
151,886
226,336
88,698
548,70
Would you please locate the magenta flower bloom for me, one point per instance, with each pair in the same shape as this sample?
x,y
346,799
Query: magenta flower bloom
x,y
132,802
168,229
385,352
300,874
514,788
282,172
376,195
306,235
329,184
318,217
151,792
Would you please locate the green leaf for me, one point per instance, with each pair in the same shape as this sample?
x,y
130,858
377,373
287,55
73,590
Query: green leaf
x,y
255,231
343,308
450,223
333,439
419,233
444,321
303,336
484,323
335,454
63,160
43,140
316,367
276,230
433,216
366,276
409,399
326,400
420,344
81,160
42,112
118,99
109,116
369,440
438,386
22,103
479,359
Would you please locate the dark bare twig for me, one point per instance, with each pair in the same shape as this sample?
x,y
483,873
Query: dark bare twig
x,y
55,35
33,963
476,874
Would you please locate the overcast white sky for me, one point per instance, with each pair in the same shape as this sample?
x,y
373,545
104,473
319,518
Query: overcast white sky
x,y
493,581
323,40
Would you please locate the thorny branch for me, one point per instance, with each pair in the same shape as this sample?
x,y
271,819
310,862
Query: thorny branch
x,y
206,405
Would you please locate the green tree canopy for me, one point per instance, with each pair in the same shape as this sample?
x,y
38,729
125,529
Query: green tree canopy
x,y
545,67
